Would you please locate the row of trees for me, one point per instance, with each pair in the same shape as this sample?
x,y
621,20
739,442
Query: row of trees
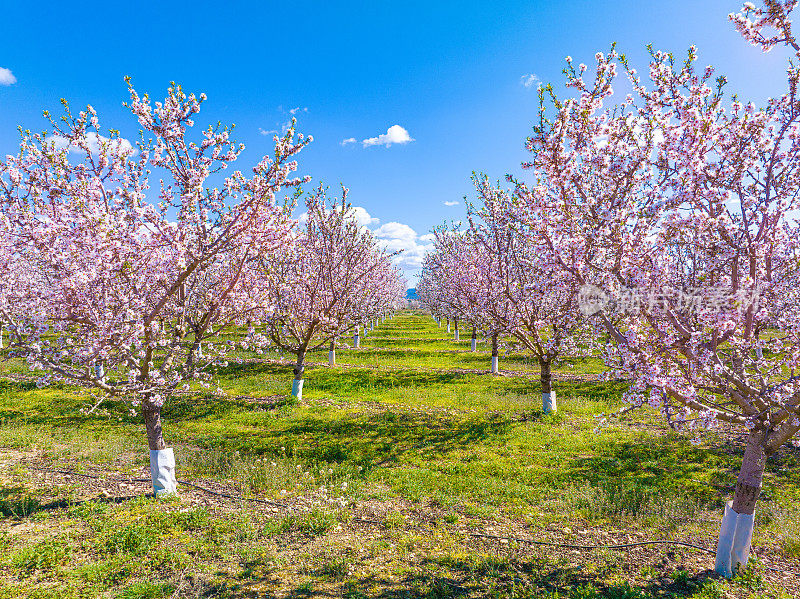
x,y
137,292
494,278
673,215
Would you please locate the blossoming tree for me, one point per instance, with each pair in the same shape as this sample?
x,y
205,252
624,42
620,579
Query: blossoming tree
x,y
114,288
330,277
675,212
458,280
534,302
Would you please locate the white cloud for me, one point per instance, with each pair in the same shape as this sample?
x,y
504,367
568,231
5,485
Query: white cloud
x,y
7,77
395,230
529,80
267,132
362,216
93,141
298,109
451,203
349,140
396,236
394,135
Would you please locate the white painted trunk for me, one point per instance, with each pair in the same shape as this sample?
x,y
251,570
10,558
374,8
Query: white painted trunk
x,y
733,547
1,336
455,337
332,358
495,365
473,345
759,352
297,389
549,402
162,472
356,341
100,372
448,328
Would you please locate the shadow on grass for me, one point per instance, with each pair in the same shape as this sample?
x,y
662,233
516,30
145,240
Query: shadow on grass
x,y
608,392
483,575
368,439
9,386
346,381
212,406
635,473
539,577
342,379
16,502
250,369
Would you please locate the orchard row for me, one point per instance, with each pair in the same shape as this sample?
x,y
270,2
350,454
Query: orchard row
x,y
661,230
104,287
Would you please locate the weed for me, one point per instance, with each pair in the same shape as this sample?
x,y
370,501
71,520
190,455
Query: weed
x,y
193,519
710,589
752,576
304,590
146,590
134,539
351,591
336,568
451,517
16,502
394,520
44,556
317,521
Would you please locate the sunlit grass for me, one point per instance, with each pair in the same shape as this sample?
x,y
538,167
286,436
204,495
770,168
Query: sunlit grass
x,y
416,422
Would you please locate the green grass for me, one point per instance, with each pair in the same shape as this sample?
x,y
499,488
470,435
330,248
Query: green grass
x,y
410,433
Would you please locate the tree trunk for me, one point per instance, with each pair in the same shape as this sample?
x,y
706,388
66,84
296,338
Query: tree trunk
x,y
474,340
544,368
448,326
99,370
152,422
456,330
548,395
748,483
332,353
299,367
495,360
736,532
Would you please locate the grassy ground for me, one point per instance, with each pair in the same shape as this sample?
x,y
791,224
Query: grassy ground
x,y
406,471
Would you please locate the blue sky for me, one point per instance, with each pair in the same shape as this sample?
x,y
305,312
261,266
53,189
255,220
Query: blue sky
x,y
450,75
